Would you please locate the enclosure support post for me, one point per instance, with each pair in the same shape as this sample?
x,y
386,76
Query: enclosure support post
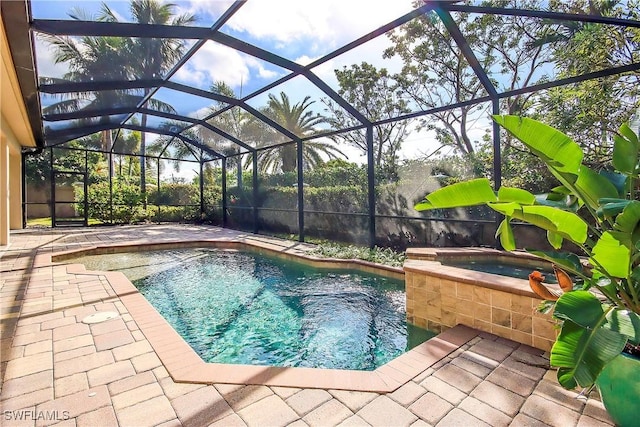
x,y
497,159
224,191
24,189
201,190
158,192
53,189
255,193
110,157
85,188
300,192
371,187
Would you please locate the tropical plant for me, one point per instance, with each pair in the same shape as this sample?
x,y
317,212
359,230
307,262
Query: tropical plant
x,y
89,58
103,59
150,58
301,121
375,94
234,121
589,111
597,211
386,256
436,73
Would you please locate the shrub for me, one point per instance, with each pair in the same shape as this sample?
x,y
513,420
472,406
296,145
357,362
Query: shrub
x,y
126,202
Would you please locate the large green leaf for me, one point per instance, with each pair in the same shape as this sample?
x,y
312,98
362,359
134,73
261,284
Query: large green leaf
x,y
567,224
581,307
610,209
612,255
507,239
628,223
510,194
554,239
625,155
624,322
629,134
556,149
618,180
581,353
467,193
593,187
566,260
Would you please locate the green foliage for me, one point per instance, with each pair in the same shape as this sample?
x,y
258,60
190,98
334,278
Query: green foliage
x,y
175,194
593,331
378,255
337,199
124,208
70,158
375,94
332,173
174,213
431,59
589,111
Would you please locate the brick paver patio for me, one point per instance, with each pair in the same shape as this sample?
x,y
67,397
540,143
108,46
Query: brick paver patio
x,y
57,370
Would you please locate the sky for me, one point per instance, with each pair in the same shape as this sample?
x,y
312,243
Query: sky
x,y
298,30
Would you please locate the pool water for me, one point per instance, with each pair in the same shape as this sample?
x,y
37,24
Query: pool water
x,y
519,271
245,308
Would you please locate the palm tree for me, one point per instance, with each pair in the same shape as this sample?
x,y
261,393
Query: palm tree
x,y
151,58
236,122
89,58
299,120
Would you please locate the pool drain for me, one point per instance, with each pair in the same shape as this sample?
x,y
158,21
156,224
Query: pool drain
x,y
100,316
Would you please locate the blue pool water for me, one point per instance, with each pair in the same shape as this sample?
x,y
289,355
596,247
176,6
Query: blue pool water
x,y
509,269
244,308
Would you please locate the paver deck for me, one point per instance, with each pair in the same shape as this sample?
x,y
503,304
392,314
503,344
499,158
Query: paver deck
x,y
56,370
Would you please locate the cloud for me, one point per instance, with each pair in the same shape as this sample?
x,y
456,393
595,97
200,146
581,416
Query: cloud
x,y
214,62
327,21
44,60
205,11
200,113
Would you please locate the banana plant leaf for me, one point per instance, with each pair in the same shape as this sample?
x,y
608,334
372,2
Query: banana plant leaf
x,y
612,255
610,208
625,153
510,194
461,194
505,232
567,261
562,155
581,353
592,334
594,186
628,222
626,323
567,224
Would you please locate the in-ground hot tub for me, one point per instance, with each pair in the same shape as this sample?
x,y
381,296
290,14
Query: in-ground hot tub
x,y
442,293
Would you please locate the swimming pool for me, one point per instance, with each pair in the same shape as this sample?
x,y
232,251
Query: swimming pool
x,y
244,308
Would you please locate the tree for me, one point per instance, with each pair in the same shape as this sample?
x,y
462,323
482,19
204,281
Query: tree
x,y
106,59
299,120
89,58
151,58
237,123
591,111
436,73
374,93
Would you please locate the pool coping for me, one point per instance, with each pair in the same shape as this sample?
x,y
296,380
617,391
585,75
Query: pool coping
x,y
184,365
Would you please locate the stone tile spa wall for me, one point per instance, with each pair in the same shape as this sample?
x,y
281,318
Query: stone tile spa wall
x,y
441,296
